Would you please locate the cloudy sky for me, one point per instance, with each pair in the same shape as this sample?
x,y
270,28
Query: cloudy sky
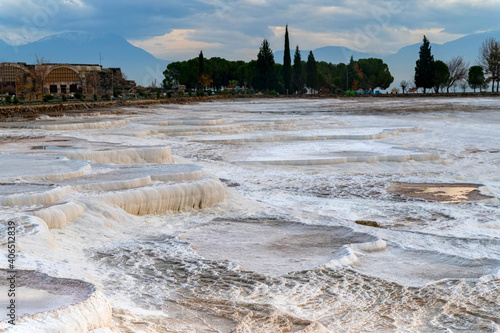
x,y
177,30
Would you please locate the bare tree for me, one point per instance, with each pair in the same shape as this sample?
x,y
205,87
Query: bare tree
x,y
403,84
92,80
39,72
463,84
458,71
489,59
121,79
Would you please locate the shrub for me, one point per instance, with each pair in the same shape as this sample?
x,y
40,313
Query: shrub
x,y
47,97
105,97
95,97
169,94
280,88
16,100
8,99
200,93
64,98
209,92
78,95
190,93
158,95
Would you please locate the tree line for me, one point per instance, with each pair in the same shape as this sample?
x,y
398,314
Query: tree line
x,y
265,75
439,75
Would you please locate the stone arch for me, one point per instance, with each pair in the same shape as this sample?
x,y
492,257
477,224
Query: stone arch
x,y
15,78
9,72
62,79
62,73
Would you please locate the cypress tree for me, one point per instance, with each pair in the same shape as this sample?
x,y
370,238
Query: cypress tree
x,y
424,69
298,82
352,74
201,66
287,63
265,67
311,73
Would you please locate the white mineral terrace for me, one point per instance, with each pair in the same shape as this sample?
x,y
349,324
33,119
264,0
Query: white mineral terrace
x,y
258,215
56,186
47,304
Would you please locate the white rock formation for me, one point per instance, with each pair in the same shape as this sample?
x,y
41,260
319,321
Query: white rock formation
x,y
60,215
286,138
80,125
163,199
125,156
47,197
351,159
36,168
89,311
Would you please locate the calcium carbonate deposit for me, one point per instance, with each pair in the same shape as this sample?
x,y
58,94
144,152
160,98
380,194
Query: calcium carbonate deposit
x,y
278,215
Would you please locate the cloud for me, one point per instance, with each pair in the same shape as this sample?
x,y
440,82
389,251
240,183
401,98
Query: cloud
x,y
177,43
234,28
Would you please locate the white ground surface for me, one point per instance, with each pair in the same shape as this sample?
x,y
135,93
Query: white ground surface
x,y
278,249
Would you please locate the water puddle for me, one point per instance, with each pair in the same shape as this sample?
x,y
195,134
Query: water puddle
x,y
58,147
441,192
272,247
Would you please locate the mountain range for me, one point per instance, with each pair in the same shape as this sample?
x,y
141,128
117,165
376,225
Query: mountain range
x,y
402,63
109,50
112,50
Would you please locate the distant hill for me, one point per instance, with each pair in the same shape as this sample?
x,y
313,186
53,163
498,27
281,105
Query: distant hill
x,y
109,49
333,54
114,51
402,63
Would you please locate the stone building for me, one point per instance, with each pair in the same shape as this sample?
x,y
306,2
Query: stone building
x,y
33,81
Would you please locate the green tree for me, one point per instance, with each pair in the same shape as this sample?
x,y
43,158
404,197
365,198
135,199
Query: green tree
x,y
201,67
201,64
298,77
172,74
218,69
311,72
250,73
337,82
424,69
351,75
476,78
441,75
265,66
376,74
326,75
287,63
339,71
